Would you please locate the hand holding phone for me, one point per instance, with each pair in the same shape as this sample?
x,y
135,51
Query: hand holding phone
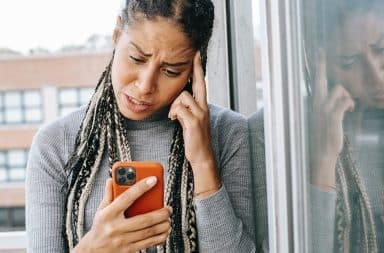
x,y
112,232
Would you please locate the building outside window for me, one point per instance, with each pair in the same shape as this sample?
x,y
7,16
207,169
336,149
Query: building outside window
x,y
12,219
21,107
12,165
71,99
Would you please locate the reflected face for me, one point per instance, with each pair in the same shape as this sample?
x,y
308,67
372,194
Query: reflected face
x,y
355,57
152,63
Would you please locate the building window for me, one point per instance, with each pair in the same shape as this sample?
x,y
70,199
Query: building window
x,y
71,99
12,165
12,219
21,107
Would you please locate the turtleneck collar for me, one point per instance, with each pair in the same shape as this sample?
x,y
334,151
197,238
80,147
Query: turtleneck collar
x,y
158,118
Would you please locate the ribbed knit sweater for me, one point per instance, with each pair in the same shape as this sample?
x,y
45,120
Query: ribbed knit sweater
x,y
224,219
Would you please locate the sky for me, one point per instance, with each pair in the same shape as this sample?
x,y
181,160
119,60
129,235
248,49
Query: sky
x,y
51,24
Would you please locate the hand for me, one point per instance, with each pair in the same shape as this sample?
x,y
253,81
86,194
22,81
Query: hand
x,y
112,232
193,115
326,135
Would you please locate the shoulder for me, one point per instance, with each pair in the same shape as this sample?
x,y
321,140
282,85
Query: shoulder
x,y
256,124
222,117
60,134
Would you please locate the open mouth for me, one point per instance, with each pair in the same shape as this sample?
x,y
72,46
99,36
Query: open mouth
x,y
136,105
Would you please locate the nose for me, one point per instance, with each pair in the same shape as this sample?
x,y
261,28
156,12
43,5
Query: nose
x,y
147,80
374,70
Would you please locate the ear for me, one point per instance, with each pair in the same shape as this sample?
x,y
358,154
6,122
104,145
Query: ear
x,y
117,31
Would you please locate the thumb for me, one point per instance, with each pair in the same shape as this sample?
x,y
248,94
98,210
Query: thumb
x,y
108,195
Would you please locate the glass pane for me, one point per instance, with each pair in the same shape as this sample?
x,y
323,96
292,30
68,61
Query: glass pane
x,y
32,98
68,97
85,95
3,174
14,115
33,115
17,174
4,217
16,158
12,99
345,77
18,217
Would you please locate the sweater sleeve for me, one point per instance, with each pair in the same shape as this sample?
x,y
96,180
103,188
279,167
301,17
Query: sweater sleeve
x,y
225,219
46,191
323,206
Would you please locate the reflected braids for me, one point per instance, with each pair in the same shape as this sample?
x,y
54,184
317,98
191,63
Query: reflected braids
x,y
102,132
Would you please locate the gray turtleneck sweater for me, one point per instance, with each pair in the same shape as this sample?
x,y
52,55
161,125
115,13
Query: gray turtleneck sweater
x,y
224,220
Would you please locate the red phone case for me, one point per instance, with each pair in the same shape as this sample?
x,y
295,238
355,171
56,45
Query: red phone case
x,y
149,201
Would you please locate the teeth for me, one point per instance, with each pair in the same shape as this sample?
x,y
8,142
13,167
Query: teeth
x,y
136,101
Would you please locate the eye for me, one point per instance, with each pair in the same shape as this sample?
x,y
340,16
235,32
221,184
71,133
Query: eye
x,y
136,59
171,73
347,62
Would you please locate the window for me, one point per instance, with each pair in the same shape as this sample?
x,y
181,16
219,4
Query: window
x,y
71,99
12,219
21,107
12,165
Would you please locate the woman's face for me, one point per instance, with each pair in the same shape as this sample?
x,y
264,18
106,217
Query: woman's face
x,y
152,64
355,57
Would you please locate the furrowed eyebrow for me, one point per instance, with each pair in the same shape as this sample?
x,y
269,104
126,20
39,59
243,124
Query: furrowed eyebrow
x,y
141,51
176,64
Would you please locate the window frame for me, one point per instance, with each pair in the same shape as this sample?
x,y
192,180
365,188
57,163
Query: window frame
x,y
284,124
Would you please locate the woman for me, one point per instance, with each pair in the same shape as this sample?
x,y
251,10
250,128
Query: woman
x,y
142,109
346,127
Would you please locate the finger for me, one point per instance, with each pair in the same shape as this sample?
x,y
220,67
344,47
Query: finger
x,y
321,83
337,93
152,241
198,82
344,105
142,221
183,115
149,232
189,102
121,203
108,195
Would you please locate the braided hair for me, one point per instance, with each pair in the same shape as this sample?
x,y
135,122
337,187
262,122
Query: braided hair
x,y
102,131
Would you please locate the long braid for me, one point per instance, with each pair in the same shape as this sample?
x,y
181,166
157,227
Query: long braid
x,y
354,215
179,195
100,131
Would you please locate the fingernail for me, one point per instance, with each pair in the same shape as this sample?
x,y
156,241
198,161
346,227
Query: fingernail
x,y
151,181
170,209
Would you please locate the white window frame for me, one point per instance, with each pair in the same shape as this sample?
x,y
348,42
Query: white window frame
x,y
284,124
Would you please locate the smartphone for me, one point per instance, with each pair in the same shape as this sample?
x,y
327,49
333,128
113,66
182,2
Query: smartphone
x,y
126,174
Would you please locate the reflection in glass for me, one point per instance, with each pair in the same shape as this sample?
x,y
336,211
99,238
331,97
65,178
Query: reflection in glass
x,y
345,59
